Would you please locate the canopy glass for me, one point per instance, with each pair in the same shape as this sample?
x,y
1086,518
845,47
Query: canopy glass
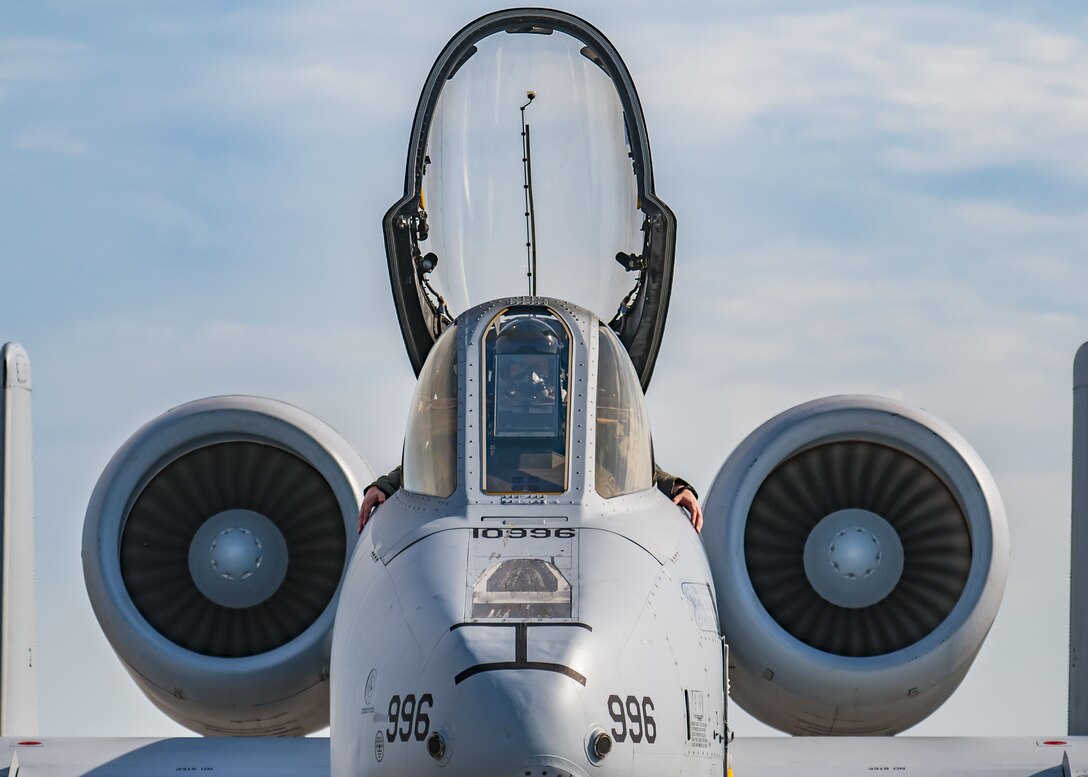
x,y
529,175
527,185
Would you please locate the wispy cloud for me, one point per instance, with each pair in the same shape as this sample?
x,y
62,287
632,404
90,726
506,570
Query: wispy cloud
x,y
32,59
942,88
49,140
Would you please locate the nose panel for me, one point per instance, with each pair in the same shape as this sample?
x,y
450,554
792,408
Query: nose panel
x,y
548,766
554,648
519,721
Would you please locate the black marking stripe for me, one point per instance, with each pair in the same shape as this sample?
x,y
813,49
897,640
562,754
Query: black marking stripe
x,y
521,653
533,624
501,665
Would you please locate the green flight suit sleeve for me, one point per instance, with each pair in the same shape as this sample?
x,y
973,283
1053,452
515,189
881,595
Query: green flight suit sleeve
x,y
670,485
388,484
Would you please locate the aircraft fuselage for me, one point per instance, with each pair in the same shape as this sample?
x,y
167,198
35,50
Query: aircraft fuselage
x,y
412,659
500,630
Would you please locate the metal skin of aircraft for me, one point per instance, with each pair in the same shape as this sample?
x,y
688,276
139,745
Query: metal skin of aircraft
x,y
583,634
529,603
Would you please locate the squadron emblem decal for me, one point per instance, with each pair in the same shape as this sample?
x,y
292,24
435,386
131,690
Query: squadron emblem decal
x,y
371,681
379,746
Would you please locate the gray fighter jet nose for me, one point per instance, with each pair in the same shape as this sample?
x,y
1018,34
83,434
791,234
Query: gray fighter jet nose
x,y
526,725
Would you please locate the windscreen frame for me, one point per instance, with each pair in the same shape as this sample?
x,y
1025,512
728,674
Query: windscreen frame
x,y
489,401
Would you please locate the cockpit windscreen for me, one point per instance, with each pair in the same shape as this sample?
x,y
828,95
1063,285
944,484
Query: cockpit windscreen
x,y
623,451
527,376
430,443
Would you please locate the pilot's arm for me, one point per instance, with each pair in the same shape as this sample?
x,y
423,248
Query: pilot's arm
x,y
377,492
682,493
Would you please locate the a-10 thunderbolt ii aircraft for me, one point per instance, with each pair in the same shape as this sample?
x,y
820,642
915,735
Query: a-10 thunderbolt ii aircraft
x,y
528,603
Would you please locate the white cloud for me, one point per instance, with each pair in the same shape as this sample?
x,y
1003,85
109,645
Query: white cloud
x,y
49,140
311,95
28,59
948,89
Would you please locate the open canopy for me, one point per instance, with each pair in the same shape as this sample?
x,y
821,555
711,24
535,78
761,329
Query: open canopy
x,y
529,173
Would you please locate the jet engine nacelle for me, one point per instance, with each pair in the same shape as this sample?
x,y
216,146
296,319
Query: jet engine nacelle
x,y
860,550
213,550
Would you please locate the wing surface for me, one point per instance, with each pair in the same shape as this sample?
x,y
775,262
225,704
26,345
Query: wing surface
x,y
198,756
928,756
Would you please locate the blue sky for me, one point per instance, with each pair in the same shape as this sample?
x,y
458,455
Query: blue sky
x,y
885,199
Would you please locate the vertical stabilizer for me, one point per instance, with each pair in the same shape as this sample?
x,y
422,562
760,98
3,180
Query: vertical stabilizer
x,y
1078,569
18,673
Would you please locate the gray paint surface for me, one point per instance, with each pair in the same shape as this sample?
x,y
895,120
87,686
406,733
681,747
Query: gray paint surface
x,y
756,757
18,672
931,756
1078,568
520,695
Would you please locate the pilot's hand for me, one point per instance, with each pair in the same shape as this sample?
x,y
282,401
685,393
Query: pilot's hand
x,y
687,500
373,497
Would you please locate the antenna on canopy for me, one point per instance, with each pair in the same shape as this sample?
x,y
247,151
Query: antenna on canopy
x,y
530,212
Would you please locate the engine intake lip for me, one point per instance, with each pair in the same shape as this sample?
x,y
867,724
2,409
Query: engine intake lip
x,y
211,694
801,689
